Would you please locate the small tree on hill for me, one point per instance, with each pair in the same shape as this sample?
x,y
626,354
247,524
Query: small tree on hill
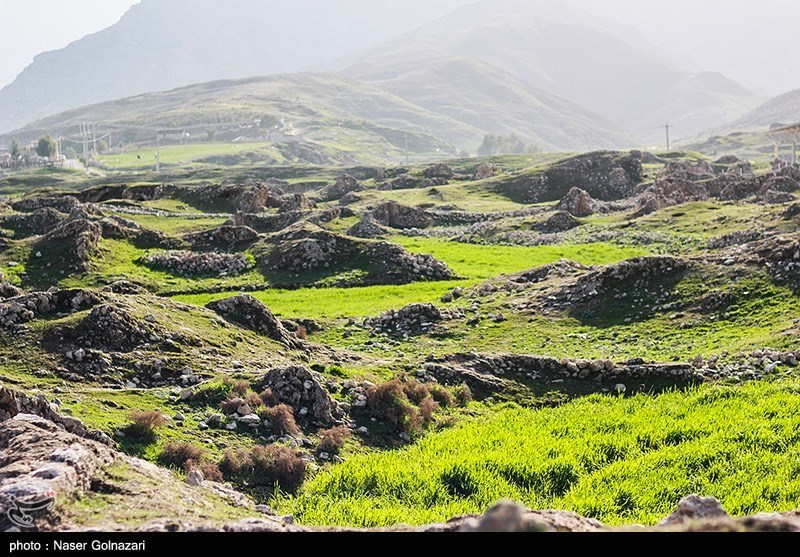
x,y
46,147
16,150
102,146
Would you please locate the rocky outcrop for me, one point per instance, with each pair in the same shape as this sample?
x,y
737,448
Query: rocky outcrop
x,y
187,263
560,221
344,185
14,312
72,244
223,237
439,170
303,390
114,327
577,203
253,314
367,227
484,171
411,320
606,176
694,508
41,221
395,215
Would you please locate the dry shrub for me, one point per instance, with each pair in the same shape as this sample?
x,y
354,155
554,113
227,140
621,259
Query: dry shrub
x,y
238,386
230,406
301,333
441,395
415,391
236,462
332,440
267,398
211,471
281,419
178,454
389,402
427,408
145,422
276,464
463,394
253,400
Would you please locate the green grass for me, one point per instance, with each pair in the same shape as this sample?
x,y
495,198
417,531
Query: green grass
x,y
483,262
174,225
145,157
617,460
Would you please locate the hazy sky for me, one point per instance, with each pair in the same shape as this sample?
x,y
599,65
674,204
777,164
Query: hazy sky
x,y
29,27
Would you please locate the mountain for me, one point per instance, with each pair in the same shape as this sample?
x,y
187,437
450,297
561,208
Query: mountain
x,y
560,48
160,45
494,101
783,109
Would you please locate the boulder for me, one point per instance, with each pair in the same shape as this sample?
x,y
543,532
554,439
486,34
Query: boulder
x,y
695,508
253,314
484,171
439,170
395,215
299,387
577,203
345,184
560,221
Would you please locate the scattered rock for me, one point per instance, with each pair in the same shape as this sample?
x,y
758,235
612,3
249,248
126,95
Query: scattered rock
x,y
693,508
189,263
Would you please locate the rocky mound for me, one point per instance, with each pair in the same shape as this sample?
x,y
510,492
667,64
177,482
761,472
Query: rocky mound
x,y
781,255
114,328
41,221
304,248
303,390
187,263
577,203
413,319
561,221
253,314
8,290
265,223
223,237
484,171
395,215
344,185
72,244
439,170
16,311
63,203
125,287
606,176
367,227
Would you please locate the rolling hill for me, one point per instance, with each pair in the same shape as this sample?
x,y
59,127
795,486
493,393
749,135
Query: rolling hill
x,y
783,109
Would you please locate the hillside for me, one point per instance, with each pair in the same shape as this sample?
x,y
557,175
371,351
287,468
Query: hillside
x,y
571,54
783,109
161,45
458,105
493,100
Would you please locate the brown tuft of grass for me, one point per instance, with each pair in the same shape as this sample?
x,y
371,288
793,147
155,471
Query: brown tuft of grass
x,y
332,440
281,419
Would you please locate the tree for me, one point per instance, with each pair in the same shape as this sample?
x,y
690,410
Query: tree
x,y
16,150
102,146
46,147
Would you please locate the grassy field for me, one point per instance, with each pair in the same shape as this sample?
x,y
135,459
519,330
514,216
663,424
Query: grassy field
x,y
145,157
615,459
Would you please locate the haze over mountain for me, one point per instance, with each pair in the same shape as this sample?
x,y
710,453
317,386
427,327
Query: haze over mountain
x,y
781,110
541,67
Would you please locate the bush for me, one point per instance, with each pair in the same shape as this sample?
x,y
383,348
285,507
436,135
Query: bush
x,y
212,392
414,390
332,440
388,401
238,386
267,398
463,394
145,422
281,419
236,462
253,400
178,454
428,408
230,406
276,464
441,395
211,471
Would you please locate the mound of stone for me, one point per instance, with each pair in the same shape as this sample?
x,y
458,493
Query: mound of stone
x,y
25,308
305,247
484,171
395,215
303,390
41,221
8,290
367,227
188,263
113,327
63,203
561,268
606,176
737,238
413,319
577,203
561,221
72,244
638,271
345,184
223,237
253,314
772,197
439,170
781,255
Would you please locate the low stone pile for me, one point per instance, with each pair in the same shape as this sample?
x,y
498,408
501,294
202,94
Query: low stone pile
x,y
17,311
253,314
61,203
223,237
344,185
367,227
303,390
560,221
439,170
484,171
414,319
781,255
577,203
114,327
41,221
265,223
395,215
8,290
77,241
187,263
737,238
401,267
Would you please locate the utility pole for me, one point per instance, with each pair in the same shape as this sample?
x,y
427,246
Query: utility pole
x,y
666,127
94,137
406,149
85,138
158,152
